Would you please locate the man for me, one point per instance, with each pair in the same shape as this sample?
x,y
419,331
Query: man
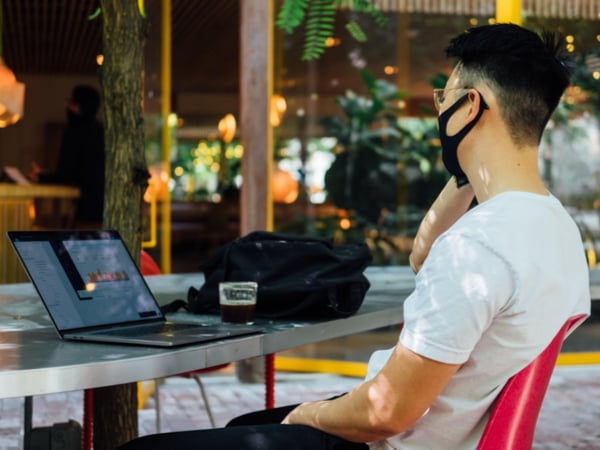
x,y
81,158
494,283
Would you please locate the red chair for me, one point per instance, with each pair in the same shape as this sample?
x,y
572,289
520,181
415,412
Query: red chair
x,y
514,414
147,264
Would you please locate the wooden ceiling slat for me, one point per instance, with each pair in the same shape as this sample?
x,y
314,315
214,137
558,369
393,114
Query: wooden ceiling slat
x,y
82,51
12,21
40,21
44,29
56,37
571,9
60,34
70,51
189,20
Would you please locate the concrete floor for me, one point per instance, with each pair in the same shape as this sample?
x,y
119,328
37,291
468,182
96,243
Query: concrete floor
x,y
568,420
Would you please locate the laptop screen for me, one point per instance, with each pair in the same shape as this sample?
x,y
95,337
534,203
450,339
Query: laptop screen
x,y
85,278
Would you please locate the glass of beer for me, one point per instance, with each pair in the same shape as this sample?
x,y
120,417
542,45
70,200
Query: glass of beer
x,y
237,301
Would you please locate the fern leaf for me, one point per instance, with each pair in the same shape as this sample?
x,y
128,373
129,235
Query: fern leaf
x,y
319,26
379,18
291,14
356,31
367,7
320,16
95,14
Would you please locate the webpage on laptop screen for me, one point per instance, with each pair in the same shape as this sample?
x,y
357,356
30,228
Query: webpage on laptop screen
x,y
86,283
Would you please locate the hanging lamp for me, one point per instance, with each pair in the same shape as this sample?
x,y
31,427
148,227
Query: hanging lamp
x,y
12,93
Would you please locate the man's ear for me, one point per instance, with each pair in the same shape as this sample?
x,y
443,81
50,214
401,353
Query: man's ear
x,y
475,104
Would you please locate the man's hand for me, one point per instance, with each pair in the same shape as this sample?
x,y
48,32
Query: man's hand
x,y
34,174
303,413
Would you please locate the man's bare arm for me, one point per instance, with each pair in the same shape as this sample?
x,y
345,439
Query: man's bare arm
x,y
448,207
384,406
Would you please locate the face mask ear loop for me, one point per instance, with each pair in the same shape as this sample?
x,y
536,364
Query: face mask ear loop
x,y
483,105
468,127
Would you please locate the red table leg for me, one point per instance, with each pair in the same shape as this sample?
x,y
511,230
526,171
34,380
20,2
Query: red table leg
x,y
88,419
269,381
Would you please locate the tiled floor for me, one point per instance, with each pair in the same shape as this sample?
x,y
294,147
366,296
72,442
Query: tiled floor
x,y
569,418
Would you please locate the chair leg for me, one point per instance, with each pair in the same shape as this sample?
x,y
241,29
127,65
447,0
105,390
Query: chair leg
x,y
205,398
28,413
157,403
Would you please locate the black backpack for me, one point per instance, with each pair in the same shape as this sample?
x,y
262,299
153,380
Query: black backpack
x,y
297,276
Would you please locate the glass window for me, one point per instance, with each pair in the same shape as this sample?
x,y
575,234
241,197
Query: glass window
x,y
362,118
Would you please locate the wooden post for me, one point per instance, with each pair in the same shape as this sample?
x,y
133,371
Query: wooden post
x,y
256,81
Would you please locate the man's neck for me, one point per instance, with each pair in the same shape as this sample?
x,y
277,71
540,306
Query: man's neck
x,y
507,169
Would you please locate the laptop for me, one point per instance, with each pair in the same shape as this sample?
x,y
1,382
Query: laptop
x,y
93,291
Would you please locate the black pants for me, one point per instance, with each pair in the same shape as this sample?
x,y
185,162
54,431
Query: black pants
x,y
259,430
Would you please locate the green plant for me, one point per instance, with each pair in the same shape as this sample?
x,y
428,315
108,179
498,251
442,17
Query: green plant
x,y
319,16
586,75
386,171
367,150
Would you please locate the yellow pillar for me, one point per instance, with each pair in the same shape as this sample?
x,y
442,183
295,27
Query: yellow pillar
x,y
508,11
165,110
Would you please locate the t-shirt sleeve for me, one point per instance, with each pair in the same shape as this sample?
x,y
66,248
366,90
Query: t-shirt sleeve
x,y
459,290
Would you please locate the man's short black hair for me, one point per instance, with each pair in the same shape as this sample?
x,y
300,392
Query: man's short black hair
x,y
525,70
88,99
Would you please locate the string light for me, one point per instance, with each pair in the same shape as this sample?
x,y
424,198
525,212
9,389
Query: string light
x,y
12,93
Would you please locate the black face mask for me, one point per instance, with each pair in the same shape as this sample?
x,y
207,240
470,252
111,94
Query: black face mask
x,y
72,117
450,143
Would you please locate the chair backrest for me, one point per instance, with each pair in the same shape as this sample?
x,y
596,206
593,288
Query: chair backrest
x,y
514,414
147,265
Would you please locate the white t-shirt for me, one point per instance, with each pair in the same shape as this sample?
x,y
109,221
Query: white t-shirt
x,y
492,293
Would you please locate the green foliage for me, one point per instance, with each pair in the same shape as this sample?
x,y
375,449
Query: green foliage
x,y
319,16
95,14
438,81
362,177
319,27
356,31
365,7
585,72
291,15
375,152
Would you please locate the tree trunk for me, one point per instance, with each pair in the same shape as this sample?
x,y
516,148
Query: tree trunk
x,y
124,35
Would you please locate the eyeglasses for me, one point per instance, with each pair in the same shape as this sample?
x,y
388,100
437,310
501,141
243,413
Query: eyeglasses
x,y
439,95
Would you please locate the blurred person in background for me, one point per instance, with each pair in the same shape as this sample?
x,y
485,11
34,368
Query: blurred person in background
x,y
81,158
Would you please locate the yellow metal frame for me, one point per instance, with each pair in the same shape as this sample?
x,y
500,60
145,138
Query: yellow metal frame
x,y
508,11
359,369
145,390
578,358
150,243
269,209
345,368
165,240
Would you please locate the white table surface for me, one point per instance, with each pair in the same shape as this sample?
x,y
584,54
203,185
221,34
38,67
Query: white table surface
x,y
34,360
